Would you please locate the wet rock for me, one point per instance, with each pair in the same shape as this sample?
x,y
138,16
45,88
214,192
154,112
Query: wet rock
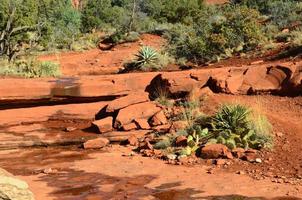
x,y
142,124
181,141
129,127
96,143
159,119
214,151
12,188
104,125
126,101
138,111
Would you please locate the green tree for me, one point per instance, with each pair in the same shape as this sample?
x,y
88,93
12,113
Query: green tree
x,y
18,19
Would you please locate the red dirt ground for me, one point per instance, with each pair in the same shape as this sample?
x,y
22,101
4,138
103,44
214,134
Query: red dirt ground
x,y
96,61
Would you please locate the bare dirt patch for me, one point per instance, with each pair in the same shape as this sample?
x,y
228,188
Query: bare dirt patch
x,y
96,61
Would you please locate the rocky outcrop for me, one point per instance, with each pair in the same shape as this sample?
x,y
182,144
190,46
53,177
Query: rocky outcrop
x,y
12,188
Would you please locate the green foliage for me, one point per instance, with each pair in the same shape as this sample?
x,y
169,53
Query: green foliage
x,y
30,68
146,59
234,126
216,33
146,56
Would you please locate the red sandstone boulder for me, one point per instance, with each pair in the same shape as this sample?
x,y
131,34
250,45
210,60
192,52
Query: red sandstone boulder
x,y
126,101
104,125
181,141
159,119
142,124
96,143
214,151
138,111
129,127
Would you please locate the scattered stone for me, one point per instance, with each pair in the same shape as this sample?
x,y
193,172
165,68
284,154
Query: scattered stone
x,y
279,134
171,156
220,162
129,127
145,146
70,129
250,155
50,171
142,124
181,141
104,125
258,160
238,152
257,62
96,143
159,119
12,188
214,151
240,172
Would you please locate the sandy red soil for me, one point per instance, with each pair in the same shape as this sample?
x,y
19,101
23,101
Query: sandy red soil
x,y
96,61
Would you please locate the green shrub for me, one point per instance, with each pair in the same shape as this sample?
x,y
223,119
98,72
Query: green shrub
x,y
31,68
216,33
234,126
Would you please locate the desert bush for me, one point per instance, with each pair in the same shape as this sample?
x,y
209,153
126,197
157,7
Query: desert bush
x,y
234,126
216,33
31,68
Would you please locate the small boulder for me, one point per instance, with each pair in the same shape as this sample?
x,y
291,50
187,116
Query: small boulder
x,y
159,119
250,155
238,152
129,127
138,111
104,125
142,124
12,188
96,143
214,151
181,141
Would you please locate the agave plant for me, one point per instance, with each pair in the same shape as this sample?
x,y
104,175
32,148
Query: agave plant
x,y
234,127
146,56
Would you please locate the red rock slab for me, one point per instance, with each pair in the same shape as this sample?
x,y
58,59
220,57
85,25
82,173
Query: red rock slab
x,y
137,111
131,99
